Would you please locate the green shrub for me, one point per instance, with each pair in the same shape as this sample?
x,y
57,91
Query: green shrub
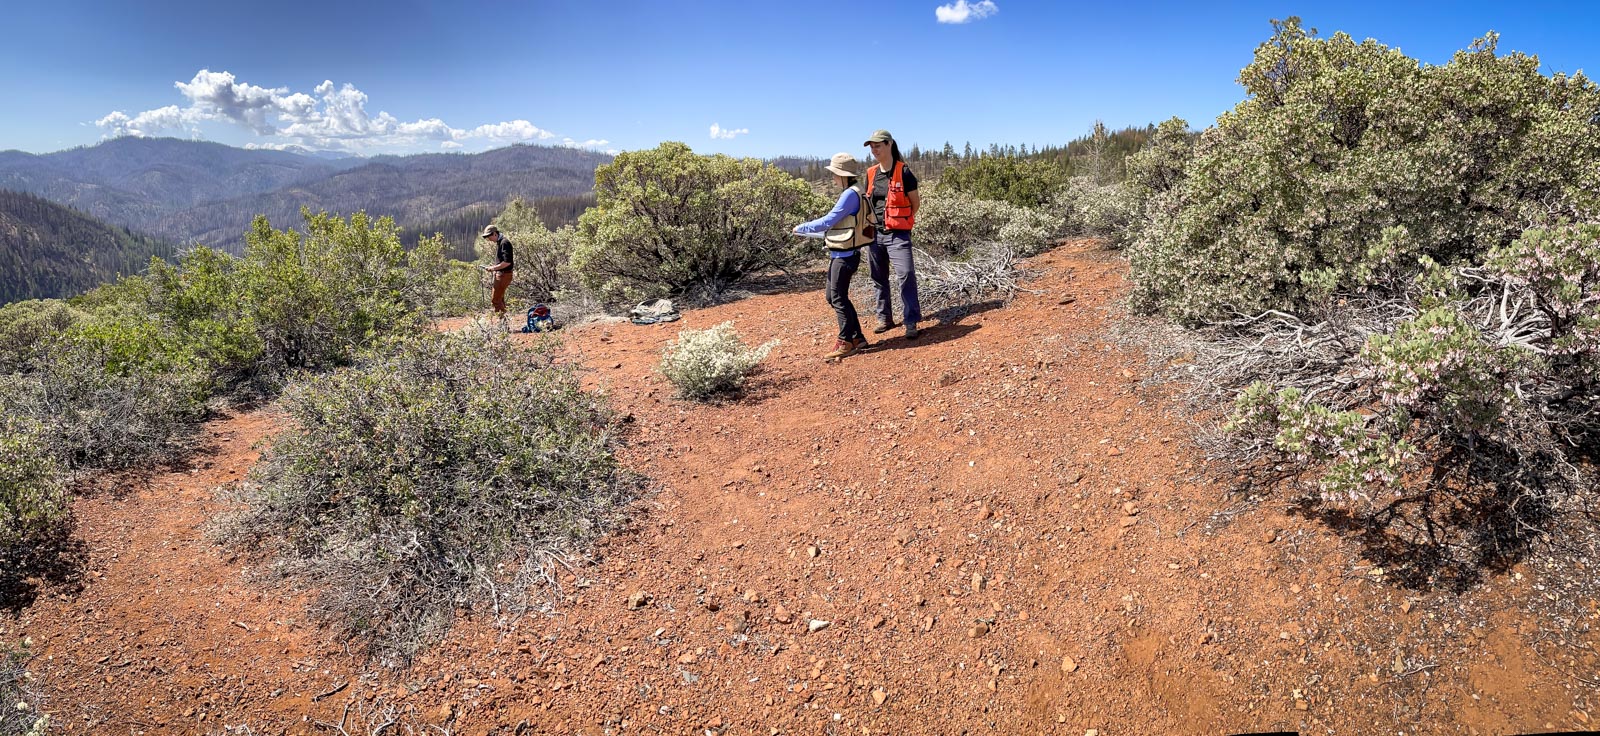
x,y
411,483
1560,267
110,395
951,222
1017,182
1339,141
24,326
669,222
33,498
316,298
705,363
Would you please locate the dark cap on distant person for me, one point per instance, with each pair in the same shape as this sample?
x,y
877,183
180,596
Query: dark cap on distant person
x,y
490,230
879,136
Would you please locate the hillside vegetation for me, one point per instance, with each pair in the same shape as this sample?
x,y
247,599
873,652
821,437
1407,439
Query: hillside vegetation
x,y
200,192
50,251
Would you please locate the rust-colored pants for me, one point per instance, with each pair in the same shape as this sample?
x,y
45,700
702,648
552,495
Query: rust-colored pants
x,y
502,279
501,282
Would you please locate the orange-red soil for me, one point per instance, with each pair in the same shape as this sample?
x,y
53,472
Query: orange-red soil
x,y
1004,525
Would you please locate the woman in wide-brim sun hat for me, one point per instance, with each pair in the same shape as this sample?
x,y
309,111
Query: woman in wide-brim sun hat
x,y
844,230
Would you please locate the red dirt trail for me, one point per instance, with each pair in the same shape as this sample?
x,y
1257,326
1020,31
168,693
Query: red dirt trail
x,y
1005,526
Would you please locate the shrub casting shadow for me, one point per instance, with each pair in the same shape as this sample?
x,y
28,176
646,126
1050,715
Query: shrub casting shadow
x,y
56,562
1479,514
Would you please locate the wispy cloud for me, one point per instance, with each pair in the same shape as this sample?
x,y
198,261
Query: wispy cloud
x,y
965,12
718,131
331,118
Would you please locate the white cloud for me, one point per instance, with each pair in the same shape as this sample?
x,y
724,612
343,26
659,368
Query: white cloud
x,y
149,122
964,12
330,118
591,143
718,131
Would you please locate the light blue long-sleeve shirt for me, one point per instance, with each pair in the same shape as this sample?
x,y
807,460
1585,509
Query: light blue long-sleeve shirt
x,y
849,203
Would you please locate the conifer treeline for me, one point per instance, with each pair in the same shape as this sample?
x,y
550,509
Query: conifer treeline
x,y
1077,156
48,250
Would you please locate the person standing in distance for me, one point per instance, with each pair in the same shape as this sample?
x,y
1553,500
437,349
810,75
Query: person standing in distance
x,y
892,192
501,269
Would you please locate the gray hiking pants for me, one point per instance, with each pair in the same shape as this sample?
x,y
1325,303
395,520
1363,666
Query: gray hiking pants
x,y
894,247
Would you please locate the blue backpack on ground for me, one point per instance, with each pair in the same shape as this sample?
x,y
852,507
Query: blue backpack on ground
x,y
539,319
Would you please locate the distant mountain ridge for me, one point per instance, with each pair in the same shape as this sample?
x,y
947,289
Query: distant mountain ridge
x,y
51,251
203,192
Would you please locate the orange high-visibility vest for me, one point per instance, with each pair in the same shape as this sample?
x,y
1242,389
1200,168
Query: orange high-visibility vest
x,y
897,207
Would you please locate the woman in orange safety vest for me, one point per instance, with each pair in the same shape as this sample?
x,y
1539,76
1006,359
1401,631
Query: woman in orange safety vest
x,y
892,193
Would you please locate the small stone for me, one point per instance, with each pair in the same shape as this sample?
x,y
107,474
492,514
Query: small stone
x,y
993,686
1128,521
948,378
977,582
1130,509
712,604
1270,537
1091,732
1072,477
444,712
1405,607
903,537
878,622
686,658
985,512
812,551
638,600
1068,665
978,630
781,614
817,625
750,596
878,696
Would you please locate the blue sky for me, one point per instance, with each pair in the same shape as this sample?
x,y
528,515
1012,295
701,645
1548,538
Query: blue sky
x,y
775,78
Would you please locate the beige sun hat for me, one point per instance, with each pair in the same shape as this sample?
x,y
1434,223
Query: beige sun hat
x,y
844,164
490,230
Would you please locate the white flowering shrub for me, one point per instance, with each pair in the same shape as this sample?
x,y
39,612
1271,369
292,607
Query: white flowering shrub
x,y
1491,394
951,222
705,363
33,497
19,698
1283,199
1106,211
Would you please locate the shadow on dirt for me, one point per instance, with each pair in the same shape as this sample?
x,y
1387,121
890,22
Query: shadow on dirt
x,y
1476,517
56,564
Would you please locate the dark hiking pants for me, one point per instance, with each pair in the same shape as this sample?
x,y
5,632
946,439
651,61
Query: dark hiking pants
x,y
893,247
840,271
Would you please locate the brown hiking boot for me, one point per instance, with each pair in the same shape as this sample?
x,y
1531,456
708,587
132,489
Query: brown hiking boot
x,y
884,325
911,331
841,348
861,343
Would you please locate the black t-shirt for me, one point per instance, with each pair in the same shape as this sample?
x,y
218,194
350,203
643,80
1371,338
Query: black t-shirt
x,y
880,187
502,253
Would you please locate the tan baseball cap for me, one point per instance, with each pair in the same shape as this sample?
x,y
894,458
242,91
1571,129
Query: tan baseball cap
x,y
844,164
879,136
490,230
